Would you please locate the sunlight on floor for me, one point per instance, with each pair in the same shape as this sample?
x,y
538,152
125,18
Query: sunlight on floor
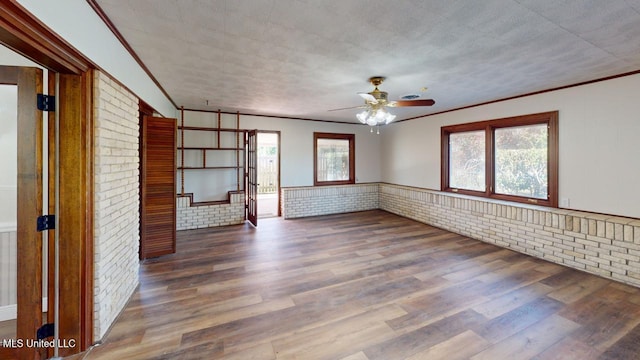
x,y
267,205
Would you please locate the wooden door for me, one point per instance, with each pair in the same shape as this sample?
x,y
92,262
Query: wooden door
x,y
252,177
158,187
28,244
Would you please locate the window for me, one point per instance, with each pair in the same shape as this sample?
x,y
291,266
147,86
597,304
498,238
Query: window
x,y
467,160
334,159
513,159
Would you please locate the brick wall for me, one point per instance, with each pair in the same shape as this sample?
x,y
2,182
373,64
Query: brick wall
x,y
322,200
605,245
194,216
117,200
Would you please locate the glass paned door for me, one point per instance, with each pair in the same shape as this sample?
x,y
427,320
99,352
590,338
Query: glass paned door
x,y
252,177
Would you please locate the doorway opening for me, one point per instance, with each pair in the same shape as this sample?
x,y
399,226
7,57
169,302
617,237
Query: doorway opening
x,y
268,169
8,212
27,48
24,250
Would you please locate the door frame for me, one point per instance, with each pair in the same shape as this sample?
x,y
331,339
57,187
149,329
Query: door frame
x,y
277,132
251,191
23,33
29,206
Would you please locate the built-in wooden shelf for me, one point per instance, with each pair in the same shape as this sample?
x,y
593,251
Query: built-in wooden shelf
x,y
202,128
239,149
209,167
210,148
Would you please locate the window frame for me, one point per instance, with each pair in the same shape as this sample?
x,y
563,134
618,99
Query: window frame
x,y
489,126
352,158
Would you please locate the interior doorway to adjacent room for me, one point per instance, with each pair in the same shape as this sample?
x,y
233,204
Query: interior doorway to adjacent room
x,y
268,163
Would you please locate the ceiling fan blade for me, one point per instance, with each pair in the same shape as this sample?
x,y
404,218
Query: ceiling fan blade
x,y
368,97
350,107
424,102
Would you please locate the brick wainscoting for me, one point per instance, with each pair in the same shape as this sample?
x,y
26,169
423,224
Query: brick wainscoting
x,y
605,245
323,200
192,215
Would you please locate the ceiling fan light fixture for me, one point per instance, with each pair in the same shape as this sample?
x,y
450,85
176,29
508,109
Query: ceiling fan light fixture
x,y
372,120
375,117
376,103
389,118
362,116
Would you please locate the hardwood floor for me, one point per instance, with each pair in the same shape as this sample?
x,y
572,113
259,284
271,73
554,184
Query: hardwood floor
x,y
7,329
367,285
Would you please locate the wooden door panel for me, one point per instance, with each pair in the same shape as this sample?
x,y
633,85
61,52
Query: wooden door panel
x,y
29,207
158,219
158,187
160,191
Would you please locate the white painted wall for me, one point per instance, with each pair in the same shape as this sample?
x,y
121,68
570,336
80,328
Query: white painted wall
x,y
296,147
8,140
10,57
599,128
296,142
8,147
77,23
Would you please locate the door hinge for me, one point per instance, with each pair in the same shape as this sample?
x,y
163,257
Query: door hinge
x,y
45,331
46,102
46,222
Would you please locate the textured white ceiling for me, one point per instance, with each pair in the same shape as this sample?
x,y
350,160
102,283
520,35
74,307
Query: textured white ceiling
x,y
301,58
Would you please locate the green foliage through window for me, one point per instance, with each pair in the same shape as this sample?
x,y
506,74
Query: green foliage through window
x,y
510,159
467,160
521,161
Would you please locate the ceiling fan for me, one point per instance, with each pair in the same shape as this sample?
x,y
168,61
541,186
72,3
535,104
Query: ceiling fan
x,y
376,101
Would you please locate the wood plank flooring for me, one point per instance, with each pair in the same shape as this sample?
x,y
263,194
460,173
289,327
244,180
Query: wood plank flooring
x,y
7,329
368,285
